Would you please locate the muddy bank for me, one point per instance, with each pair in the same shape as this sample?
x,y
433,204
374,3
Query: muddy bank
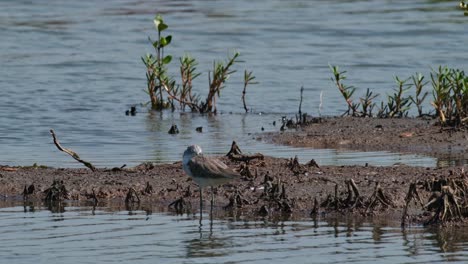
x,y
269,187
272,187
406,135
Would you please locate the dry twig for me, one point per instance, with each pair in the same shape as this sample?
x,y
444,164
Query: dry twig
x,y
70,152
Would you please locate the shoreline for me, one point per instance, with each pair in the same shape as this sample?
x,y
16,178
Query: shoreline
x,y
290,191
284,187
403,135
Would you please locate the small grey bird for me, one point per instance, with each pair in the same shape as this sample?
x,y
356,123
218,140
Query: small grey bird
x,y
206,171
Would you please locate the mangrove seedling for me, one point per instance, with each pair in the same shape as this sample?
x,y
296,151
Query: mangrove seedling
x,y
156,67
450,92
188,74
441,93
418,82
397,105
248,79
459,84
302,117
216,80
367,103
162,88
346,91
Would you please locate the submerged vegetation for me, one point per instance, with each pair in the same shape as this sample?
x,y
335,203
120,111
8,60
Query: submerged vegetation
x,y
449,91
165,92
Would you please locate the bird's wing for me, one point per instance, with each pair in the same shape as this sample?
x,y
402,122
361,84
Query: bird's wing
x,y
204,167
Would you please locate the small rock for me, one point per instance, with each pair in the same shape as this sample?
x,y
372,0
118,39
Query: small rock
x,y
406,134
174,130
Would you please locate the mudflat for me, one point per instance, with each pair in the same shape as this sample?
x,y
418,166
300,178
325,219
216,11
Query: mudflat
x,y
407,135
284,187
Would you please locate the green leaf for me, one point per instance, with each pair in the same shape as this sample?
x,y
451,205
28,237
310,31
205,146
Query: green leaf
x,y
168,39
162,27
147,60
167,59
156,44
157,21
163,42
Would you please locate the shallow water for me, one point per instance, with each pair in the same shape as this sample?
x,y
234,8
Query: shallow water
x,y
75,67
83,234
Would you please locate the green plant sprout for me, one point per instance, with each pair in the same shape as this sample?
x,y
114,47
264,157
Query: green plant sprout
x,y
346,91
418,82
156,67
163,89
248,79
450,94
216,80
367,103
449,91
188,74
397,105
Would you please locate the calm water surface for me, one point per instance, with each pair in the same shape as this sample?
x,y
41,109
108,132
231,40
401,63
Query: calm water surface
x,y
32,233
75,67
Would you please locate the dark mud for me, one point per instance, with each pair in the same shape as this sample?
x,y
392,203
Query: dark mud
x,y
272,187
406,135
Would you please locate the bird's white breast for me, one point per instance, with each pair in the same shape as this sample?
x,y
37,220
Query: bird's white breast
x,y
185,160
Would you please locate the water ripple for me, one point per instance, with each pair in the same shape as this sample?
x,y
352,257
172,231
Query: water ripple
x,y
76,68
100,235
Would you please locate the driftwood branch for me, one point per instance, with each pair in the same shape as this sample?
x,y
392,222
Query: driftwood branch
x,y
132,196
446,205
354,198
379,196
70,152
412,194
235,150
246,158
235,154
354,187
192,105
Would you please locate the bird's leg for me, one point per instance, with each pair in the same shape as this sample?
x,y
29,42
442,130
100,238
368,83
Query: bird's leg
x,y
212,201
201,205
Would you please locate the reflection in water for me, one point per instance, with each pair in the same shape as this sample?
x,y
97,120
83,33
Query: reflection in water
x,y
412,247
29,206
56,207
143,232
447,238
71,88
208,245
377,232
446,241
220,130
